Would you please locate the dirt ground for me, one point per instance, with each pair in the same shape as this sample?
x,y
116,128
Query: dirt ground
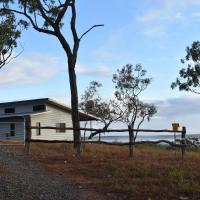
x,y
106,172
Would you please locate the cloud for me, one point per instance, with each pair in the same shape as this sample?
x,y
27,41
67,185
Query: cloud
x,y
184,110
151,15
196,14
29,69
178,107
154,31
100,70
163,14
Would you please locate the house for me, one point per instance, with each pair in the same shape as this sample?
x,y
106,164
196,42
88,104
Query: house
x,y
16,115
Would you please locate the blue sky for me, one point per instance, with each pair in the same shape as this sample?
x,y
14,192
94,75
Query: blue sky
x,y
153,33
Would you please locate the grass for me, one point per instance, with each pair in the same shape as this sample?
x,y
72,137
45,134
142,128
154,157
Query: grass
x,y
106,172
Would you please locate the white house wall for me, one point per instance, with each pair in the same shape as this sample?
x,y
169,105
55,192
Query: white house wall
x,y
50,118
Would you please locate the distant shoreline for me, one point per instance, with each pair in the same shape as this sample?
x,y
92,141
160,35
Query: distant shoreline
x,y
122,138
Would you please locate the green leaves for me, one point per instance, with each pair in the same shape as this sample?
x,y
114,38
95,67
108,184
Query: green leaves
x,y
10,32
189,78
130,82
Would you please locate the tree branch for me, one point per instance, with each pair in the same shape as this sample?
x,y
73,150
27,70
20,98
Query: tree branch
x,y
74,32
139,126
62,12
40,7
98,25
100,131
30,19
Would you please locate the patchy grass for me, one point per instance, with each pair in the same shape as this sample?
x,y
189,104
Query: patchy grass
x,y
106,172
3,169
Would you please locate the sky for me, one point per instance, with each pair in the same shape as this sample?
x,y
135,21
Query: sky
x,y
153,33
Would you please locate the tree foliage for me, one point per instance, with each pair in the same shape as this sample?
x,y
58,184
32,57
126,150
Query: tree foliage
x,y
189,77
10,32
130,82
92,103
126,106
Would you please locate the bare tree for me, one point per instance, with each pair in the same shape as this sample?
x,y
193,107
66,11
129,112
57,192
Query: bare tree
x,y
47,17
130,82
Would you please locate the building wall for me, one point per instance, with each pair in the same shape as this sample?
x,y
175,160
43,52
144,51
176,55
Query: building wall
x,y
51,118
5,131
18,109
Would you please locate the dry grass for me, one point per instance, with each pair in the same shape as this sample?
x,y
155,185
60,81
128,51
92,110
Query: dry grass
x,y
106,172
11,142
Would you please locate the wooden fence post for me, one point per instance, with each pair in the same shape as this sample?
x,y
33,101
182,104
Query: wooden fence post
x,y
183,142
27,135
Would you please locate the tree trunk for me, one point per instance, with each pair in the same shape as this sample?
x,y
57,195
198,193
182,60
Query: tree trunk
x,y
131,141
74,106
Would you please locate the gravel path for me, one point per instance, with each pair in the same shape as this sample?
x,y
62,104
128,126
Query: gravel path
x,y
22,179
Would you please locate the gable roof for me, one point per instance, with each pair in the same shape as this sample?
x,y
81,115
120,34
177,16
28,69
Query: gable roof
x,y
49,101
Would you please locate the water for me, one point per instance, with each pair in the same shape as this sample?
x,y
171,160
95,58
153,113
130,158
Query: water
x,y
122,138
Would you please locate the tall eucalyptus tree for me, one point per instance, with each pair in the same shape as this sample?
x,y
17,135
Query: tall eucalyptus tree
x,y
47,16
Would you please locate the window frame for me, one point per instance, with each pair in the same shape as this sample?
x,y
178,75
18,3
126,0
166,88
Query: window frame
x,y
12,129
9,110
38,130
39,107
59,128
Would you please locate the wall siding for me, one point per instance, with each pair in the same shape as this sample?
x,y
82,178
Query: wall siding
x,y
26,108
53,116
5,131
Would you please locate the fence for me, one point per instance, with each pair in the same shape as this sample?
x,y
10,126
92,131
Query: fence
x,y
182,141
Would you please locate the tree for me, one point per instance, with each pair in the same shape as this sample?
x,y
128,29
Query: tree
x,y
130,82
189,78
10,31
87,99
47,17
92,103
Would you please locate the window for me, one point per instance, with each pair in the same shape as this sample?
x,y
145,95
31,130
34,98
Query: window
x,y
12,129
38,107
38,130
9,110
60,128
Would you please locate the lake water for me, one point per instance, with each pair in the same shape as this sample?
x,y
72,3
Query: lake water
x,y
122,138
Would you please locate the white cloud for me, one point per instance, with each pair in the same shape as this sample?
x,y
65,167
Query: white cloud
x,y
158,18
99,70
184,110
179,15
149,16
196,14
29,69
154,31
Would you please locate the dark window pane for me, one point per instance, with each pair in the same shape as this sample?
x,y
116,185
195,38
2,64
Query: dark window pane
x,y
60,128
9,110
38,131
12,129
38,107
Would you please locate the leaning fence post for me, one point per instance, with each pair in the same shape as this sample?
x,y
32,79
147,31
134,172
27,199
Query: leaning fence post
x,y
183,142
